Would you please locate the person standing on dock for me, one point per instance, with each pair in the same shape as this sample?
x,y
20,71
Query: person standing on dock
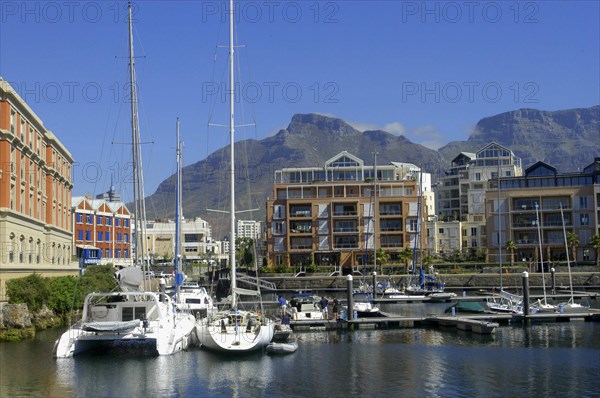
x,y
294,308
324,303
283,305
335,309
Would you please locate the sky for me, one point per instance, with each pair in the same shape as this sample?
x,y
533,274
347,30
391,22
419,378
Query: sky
x,y
428,70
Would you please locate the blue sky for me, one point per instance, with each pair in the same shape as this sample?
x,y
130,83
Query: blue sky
x,y
427,70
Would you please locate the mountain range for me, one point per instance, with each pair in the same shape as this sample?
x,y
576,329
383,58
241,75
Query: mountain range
x,y
566,139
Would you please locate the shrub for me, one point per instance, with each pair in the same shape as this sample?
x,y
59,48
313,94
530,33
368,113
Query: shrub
x,y
63,295
31,290
98,278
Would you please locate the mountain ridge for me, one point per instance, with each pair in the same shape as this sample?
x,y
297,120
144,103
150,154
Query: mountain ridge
x,y
567,139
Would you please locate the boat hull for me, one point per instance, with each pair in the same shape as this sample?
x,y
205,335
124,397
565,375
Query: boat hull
x,y
230,332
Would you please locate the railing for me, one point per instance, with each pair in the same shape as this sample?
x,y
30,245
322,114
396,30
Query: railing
x,y
345,213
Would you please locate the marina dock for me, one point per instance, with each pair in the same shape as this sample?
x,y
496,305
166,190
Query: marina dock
x,y
475,323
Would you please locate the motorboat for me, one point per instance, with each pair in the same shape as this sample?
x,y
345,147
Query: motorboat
x,y
308,307
195,299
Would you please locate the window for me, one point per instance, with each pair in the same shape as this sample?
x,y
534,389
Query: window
x,y
126,221
126,253
473,231
118,222
108,220
441,230
87,235
126,236
119,236
99,220
118,253
88,218
107,253
79,218
584,219
107,236
80,234
99,236
583,202
477,176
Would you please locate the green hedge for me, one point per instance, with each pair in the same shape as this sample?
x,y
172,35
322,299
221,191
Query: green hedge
x,y
63,293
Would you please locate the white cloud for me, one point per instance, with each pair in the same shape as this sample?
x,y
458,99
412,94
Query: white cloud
x,y
395,128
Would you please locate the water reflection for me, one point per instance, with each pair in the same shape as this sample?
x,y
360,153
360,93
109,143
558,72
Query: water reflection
x,y
551,359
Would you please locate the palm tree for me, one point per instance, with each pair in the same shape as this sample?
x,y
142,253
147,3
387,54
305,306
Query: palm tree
x,y
573,242
511,246
406,256
382,258
595,242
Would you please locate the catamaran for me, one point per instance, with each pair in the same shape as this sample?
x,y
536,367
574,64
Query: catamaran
x,y
132,316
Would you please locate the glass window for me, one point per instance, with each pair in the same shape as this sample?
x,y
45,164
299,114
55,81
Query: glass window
x,y
99,220
99,236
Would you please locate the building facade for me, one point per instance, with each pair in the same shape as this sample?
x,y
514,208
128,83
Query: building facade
x,y
460,225
103,225
35,194
340,213
248,229
196,242
544,198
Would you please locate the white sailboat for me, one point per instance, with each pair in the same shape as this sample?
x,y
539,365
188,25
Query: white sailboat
x,y
235,330
504,301
542,306
570,306
131,317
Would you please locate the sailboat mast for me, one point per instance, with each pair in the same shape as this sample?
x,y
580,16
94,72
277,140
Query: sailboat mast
x,y
375,216
499,224
138,192
562,216
177,213
539,228
232,157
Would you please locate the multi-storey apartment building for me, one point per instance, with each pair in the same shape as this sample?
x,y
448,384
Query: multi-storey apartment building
x,y
102,225
536,199
35,194
461,222
247,229
340,213
196,242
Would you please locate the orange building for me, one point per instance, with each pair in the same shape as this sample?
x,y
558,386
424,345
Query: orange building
x,y
35,194
100,224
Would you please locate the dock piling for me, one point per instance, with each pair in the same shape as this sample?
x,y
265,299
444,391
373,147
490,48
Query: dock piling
x,y
349,287
525,293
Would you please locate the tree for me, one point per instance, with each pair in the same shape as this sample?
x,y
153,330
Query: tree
x,y
595,242
511,246
405,256
573,243
382,257
245,250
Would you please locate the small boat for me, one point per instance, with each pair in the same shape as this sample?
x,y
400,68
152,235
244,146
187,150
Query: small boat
x,y
363,305
282,348
308,306
282,332
441,296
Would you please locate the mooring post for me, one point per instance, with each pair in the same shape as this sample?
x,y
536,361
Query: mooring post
x,y
525,293
349,287
553,273
374,283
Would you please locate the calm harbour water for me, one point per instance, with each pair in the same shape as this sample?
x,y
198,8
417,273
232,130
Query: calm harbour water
x,y
544,360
